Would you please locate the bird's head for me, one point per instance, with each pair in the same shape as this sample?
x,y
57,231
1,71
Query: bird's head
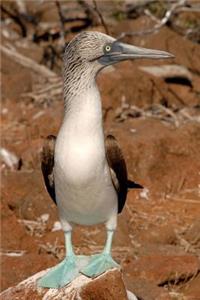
x,y
97,50
89,52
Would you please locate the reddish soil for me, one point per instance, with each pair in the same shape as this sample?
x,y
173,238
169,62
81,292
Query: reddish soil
x,y
158,237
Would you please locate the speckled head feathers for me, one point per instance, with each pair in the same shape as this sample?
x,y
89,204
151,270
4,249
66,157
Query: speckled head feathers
x,y
87,46
81,63
91,51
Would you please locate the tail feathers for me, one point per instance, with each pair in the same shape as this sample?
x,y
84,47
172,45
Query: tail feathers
x,y
133,185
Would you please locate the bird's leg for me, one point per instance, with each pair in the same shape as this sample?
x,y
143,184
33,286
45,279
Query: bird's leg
x,y
68,244
108,245
102,262
66,270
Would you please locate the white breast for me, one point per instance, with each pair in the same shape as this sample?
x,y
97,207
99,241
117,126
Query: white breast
x,y
81,160
84,190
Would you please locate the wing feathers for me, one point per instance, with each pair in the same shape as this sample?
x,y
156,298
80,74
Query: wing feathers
x,y
133,185
117,164
118,169
47,164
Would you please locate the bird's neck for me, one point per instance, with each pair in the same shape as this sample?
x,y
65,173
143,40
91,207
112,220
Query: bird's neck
x,y
83,111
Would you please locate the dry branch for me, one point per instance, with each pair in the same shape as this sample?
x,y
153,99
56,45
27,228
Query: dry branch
x,y
62,20
49,91
10,159
89,11
168,71
16,18
21,4
100,16
28,62
169,115
159,23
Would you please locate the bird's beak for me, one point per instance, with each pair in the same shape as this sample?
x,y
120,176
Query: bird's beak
x,y
126,51
120,51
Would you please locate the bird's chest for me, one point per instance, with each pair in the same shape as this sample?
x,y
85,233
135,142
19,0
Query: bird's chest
x,y
83,184
80,162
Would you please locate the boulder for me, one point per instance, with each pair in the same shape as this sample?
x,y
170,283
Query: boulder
x,y
108,286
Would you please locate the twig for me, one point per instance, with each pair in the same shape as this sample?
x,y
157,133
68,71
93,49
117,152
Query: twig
x,y
189,9
21,6
100,16
191,201
170,113
62,21
158,111
159,25
10,159
36,227
16,19
48,92
89,11
13,253
27,62
56,250
49,56
168,71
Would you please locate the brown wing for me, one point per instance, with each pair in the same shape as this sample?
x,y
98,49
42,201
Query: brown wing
x,y
47,164
118,169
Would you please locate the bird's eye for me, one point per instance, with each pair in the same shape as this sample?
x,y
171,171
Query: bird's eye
x,y
107,48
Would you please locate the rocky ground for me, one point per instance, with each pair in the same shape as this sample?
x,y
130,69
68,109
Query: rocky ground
x,y
157,123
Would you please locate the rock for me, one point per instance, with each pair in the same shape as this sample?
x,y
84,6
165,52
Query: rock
x,y
192,235
108,286
192,291
162,269
146,290
162,235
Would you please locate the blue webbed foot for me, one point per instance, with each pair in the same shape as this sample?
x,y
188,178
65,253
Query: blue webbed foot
x,y
98,264
63,273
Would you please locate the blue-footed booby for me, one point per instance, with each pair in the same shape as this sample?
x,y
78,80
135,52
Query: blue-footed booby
x,y
85,173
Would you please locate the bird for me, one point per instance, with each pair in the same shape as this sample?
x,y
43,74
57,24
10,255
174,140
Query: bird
x,y
85,171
